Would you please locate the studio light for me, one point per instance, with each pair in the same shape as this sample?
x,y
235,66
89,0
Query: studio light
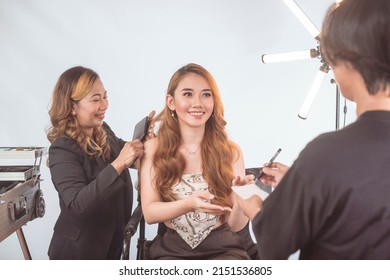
x,y
302,17
315,86
312,53
287,56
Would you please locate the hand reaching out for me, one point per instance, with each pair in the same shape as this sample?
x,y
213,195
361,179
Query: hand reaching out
x,y
274,174
201,201
241,181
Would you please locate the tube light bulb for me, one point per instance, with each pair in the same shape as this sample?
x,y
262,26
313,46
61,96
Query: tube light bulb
x,y
288,56
312,94
302,17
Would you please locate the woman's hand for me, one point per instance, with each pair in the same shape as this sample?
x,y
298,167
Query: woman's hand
x,y
200,201
130,152
274,174
241,181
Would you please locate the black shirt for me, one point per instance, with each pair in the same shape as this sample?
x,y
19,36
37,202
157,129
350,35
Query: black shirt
x,y
334,202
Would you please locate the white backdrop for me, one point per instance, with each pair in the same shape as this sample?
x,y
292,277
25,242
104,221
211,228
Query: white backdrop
x,y
135,46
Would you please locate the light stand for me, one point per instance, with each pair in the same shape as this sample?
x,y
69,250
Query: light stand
x,y
333,81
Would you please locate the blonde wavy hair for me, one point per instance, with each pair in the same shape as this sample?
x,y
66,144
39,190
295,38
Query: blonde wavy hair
x,y
72,86
217,151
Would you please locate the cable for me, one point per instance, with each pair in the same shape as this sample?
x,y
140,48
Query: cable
x,y
345,110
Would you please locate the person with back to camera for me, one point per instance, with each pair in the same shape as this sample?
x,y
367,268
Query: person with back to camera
x,y
88,166
187,172
333,203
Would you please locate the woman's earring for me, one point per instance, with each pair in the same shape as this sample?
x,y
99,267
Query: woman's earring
x,y
173,114
73,113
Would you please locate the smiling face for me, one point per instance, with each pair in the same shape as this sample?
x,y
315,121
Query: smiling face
x,y
192,101
90,110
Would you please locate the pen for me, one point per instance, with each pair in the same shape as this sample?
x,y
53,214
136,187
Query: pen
x,y
268,164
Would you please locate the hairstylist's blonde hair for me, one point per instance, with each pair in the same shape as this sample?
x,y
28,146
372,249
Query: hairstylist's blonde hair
x,y
72,86
217,151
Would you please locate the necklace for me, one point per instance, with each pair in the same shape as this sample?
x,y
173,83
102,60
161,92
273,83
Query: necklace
x,y
191,153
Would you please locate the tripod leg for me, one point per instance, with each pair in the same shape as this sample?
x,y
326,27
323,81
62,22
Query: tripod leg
x,y
23,244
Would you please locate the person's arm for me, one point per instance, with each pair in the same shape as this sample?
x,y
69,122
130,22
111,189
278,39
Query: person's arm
x,y
280,223
130,152
68,167
273,174
285,222
154,209
237,218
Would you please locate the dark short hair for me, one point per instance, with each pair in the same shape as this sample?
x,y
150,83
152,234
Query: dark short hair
x,y
358,32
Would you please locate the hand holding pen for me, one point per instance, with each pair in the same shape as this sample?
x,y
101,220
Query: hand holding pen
x,y
261,173
273,174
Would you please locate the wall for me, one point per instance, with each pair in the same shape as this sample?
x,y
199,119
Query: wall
x,y
136,46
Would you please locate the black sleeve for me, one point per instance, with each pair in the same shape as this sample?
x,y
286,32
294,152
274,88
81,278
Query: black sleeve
x,y
112,136
69,166
280,226
292,214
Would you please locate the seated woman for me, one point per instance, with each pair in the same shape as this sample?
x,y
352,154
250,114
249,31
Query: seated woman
x,y
187,172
